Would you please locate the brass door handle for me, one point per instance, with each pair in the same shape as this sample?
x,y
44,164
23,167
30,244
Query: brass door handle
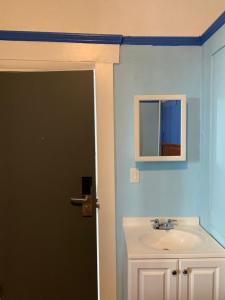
x,y
79,200
86,203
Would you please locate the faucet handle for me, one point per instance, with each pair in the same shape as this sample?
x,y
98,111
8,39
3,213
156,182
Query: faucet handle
x,y
171,220
156,221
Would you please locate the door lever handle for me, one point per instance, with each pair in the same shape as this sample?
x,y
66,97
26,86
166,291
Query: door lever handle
x,y
86,203
79,200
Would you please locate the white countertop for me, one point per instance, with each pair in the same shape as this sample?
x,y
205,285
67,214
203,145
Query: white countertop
x,y
136,230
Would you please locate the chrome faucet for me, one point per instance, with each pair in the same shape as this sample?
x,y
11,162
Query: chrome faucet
x,y
166,225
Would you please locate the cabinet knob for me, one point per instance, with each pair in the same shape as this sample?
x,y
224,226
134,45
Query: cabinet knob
x,y
185,271
174,272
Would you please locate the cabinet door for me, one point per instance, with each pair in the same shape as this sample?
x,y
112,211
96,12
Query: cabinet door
x,y
152,280
205,279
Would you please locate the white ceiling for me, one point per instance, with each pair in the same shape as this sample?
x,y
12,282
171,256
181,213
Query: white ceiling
x,y
127,17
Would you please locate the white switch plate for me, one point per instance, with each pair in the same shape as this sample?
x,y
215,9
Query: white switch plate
x,y
134,175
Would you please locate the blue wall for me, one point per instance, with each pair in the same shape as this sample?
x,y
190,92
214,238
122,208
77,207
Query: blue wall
x,y
170,189
212,208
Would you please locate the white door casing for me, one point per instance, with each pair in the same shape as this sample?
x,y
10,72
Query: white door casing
x,y
44,56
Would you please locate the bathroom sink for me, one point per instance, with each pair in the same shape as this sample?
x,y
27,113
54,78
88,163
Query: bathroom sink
x,y
186,240
170,240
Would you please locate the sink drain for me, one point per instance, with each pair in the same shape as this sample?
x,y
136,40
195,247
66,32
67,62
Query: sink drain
x,y
166,249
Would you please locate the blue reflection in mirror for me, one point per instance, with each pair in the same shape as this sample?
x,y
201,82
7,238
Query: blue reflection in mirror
x,y
160,128
170,128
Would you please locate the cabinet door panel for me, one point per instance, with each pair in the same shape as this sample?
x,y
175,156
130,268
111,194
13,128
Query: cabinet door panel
x,y
152,280
204,281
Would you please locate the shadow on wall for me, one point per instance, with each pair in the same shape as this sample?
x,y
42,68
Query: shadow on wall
x,y
193,142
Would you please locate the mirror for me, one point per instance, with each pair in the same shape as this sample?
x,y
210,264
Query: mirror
x,y
160,128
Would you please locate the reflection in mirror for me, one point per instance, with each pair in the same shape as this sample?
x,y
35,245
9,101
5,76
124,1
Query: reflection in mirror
x,y
160,128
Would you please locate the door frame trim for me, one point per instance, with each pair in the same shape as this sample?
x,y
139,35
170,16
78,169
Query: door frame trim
x,y
44,56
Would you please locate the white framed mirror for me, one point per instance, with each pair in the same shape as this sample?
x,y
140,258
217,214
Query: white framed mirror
x,y
160,127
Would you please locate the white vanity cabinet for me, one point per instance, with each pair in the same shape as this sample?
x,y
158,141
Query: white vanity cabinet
x,y
152,279
176,279
205,279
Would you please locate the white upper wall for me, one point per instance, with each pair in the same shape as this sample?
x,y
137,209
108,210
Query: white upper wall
x,y
127,17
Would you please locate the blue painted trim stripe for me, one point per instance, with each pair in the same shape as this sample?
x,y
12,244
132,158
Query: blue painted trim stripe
x,y
8,35
213,28
162,41
37,36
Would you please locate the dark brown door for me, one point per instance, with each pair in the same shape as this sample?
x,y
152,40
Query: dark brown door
x,y
47,249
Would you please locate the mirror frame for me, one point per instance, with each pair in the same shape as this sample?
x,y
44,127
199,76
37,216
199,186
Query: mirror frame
x,y
141,98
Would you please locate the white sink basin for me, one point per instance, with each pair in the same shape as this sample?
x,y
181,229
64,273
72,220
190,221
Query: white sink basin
x,y
186,240
170,240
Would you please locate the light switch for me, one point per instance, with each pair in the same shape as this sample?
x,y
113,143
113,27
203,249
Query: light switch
x,y
134,175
